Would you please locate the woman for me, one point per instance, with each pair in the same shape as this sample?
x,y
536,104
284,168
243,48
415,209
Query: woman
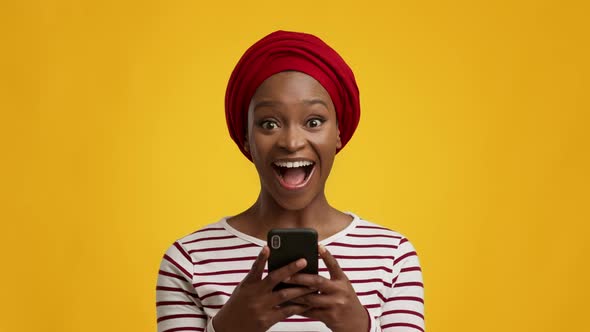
x,y
291,104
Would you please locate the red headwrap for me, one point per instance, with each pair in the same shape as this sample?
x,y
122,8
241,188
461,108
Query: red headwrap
x,y
284,51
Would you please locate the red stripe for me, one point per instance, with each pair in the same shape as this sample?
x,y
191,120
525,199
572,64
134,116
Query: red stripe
x,y
185,328
188,258
374,227
405,298
323,269
168,258
375,235
199,284
406,255
214,293
248,245
404,240
172,275
210,239
209,229
370,268
400,311
181,316
175,303
373,292
219,260
363,257
406,284
338,244
365,281
371,306
216,306
402,325
408,269
174,289
214,273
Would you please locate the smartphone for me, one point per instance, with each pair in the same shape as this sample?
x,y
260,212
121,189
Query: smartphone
x,y
288,245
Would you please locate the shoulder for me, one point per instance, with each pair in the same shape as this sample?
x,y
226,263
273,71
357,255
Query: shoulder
x,y
371,230
378,234
216,240
213,231
405,256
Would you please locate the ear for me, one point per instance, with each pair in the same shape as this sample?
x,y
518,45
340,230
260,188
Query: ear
x,y
338,141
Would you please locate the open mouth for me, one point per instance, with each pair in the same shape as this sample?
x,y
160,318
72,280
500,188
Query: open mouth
x,y
293,174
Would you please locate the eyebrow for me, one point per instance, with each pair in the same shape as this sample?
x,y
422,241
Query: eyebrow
x,y
266,103
272,103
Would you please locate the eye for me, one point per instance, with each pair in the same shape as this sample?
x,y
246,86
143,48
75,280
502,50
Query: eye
x,y
269,124
315,122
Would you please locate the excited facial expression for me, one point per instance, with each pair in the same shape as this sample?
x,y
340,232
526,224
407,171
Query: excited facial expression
x,y
292,138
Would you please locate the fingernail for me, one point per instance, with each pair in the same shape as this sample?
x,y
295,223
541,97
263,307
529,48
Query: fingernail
x,y
322,249
301,263
287,279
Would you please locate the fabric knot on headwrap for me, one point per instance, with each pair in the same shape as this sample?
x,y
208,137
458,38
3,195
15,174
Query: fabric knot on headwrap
x,y
291,51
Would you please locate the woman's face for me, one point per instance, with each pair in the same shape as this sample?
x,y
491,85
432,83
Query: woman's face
x,y
292,138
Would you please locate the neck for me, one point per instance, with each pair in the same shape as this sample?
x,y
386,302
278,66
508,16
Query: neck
x,y
271,214
267,214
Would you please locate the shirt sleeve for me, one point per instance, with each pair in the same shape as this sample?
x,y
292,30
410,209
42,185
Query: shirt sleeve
x,y
177,305
403,309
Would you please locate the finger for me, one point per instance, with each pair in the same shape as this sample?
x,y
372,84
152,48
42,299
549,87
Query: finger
x,y
298,300
315,300
288,294
313,281
257,268
315,313
336,272
275,277
288,310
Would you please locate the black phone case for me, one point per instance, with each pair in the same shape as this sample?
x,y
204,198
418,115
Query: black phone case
x,y
295,243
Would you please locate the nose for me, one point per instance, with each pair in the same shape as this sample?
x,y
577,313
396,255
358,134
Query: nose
x,y
291,139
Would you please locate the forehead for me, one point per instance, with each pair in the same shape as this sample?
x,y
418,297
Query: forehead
x,y
291,87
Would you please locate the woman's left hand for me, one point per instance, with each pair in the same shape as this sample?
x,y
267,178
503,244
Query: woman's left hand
x,y
337,304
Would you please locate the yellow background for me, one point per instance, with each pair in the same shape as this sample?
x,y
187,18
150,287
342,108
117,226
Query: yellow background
x,y
473,142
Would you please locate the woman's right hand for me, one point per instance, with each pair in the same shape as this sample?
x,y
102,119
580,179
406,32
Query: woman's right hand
x,y
253,306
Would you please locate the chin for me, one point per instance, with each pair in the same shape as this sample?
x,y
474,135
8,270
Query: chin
x,y
293,201
296,204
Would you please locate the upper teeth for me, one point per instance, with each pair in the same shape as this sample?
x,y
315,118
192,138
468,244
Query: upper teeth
x,y
292,164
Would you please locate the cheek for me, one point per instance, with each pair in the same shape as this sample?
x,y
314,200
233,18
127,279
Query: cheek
x,y
260,145
258,159
325,146
327,140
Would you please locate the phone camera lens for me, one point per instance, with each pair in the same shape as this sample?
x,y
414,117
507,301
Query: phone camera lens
x,y
275,242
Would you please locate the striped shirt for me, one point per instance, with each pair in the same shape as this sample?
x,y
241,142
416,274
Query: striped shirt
x,y
200,271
